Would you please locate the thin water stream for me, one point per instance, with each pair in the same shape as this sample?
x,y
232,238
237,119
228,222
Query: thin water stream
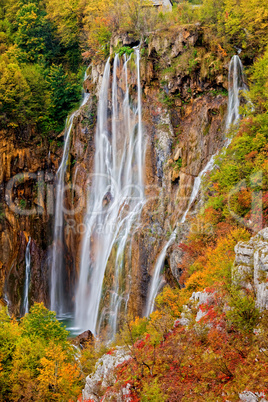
x,y
236,84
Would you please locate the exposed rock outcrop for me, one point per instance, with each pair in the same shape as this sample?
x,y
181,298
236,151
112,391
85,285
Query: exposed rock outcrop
x,y
104,376
83,339
248,396
251,266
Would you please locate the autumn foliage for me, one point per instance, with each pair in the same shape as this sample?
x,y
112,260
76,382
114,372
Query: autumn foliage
x,y
215,358
36,360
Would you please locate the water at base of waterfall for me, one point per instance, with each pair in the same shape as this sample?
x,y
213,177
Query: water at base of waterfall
x,y
67,320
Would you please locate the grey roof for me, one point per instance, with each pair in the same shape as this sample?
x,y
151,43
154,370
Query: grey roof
x,y
161,3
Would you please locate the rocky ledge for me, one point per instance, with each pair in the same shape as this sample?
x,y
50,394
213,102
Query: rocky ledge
x,y
251,266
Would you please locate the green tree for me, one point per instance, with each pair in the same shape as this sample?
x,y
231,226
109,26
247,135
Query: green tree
x,y
9,333
29,37
38,103
244,315
66,16
14,94
37,363
65,92
25,365
42,323
259,78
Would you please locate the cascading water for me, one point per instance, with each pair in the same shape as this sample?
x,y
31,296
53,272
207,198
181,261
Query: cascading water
x,y
236,84
197,184
25,304
156,281
115,203
57,297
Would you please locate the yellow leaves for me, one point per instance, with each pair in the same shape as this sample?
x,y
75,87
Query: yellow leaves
x,y
156,315
196,282
102,19
215,266
168,301
57,377
66,14
33,367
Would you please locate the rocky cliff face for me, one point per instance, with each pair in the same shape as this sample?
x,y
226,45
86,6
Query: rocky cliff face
x,y
184,102
251,266
26,202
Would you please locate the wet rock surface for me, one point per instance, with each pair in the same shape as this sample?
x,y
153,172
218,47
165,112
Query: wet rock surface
x,y
26,200
181,136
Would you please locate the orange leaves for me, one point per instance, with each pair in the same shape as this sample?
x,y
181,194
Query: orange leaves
x,y
222,51
214,265
57,377
252,155
245,198
206,361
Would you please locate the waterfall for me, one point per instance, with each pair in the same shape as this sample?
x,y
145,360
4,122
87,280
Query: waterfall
x,y
197,184
57,297
25,305
236,84
156,281
115,203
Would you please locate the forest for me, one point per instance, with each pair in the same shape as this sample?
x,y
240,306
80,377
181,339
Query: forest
x,y
45,49
45,45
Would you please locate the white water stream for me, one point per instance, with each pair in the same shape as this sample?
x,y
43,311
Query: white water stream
x,y
236,84
116,200
57,296
25,305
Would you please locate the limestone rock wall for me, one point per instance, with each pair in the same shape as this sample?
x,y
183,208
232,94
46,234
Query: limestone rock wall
x,y
251,266
184,104
26,210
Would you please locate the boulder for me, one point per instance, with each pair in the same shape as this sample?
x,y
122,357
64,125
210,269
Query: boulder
x,y
82,339
104,377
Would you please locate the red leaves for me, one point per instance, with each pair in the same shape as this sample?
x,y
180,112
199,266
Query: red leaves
x,y
139,344
191,362
147,337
